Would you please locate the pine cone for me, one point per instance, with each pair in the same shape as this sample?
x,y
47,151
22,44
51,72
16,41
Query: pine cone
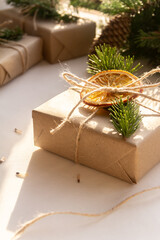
x,y
115,33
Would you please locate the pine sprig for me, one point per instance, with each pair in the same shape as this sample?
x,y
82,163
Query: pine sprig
x,y
126,118
11,34
107,58
43,9
92,4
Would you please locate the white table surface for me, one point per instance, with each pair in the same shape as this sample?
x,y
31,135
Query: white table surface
x,y
51,182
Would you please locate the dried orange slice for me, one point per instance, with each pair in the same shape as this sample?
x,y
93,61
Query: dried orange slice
x,y
110,78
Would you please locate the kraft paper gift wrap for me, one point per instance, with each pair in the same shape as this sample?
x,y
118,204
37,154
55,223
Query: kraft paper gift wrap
x,y
100,146
62,41
16,57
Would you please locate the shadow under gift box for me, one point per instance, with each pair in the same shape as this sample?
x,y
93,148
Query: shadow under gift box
x,y
100,146
16,57
62,41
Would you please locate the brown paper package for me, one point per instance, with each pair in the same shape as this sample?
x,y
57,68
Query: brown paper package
x,y
100,146
61,41
12,57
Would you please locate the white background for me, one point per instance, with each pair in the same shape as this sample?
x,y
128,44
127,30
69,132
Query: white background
x,y
51,182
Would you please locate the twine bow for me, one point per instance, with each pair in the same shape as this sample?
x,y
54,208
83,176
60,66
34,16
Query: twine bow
x,y
129,89
93,88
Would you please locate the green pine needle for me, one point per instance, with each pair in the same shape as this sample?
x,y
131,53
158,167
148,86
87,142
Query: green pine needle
x,y
126,118
121,6
11,34
44,9
112,7
91,4
143,40
149,39
107,58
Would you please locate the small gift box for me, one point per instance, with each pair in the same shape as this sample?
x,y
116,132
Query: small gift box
x,y
99,146
62,41
16,57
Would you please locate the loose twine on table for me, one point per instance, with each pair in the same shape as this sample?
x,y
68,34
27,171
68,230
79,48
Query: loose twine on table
x,y
20,231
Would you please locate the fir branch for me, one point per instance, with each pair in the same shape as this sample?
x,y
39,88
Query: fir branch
x,y
115,7
44,9
126,118
146,21
125,6
149,39
11,34
108,58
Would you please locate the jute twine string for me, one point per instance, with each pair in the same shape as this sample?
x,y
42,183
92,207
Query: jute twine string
x,y
79,133
34,20
14,45
25,12
5,23
151,109
20,231
19,52
25,56
96,88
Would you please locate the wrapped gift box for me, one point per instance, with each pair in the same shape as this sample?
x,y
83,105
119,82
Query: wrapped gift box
x,y
100,146
62,41
16,57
